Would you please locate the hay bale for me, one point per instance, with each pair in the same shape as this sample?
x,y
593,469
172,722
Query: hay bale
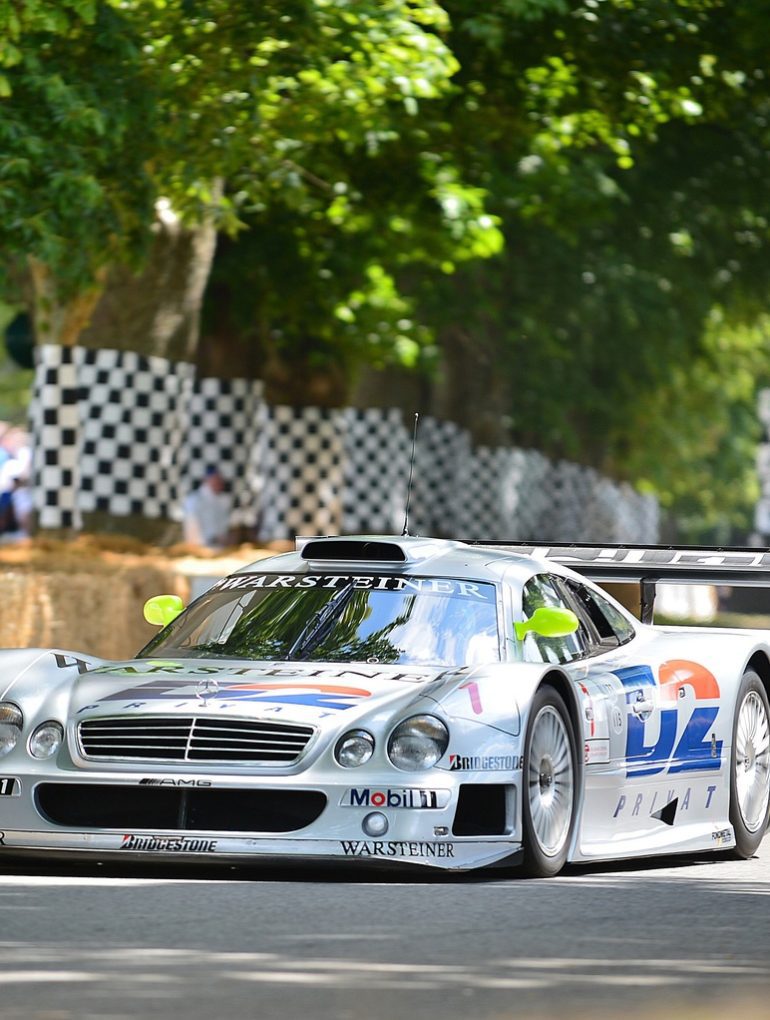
x,y
85,611
86,594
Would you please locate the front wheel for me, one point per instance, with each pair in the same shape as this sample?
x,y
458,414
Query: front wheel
x,y
549,792
750,766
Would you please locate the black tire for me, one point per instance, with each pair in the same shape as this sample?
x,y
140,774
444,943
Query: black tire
x,y
549,789
749,817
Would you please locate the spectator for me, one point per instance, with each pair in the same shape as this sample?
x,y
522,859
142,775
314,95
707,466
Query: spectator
x,y
5,454
23,505
16,505
206,513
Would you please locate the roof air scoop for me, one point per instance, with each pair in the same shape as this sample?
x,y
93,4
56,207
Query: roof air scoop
x,y
343,549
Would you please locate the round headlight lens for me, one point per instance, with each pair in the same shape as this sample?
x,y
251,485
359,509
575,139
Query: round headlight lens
x,y
11,722
354,748
46,740
418,743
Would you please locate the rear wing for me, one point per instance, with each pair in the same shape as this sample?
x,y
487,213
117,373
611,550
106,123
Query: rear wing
x,y
648,565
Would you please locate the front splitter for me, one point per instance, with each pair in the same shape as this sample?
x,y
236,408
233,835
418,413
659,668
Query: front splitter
x,y
447,854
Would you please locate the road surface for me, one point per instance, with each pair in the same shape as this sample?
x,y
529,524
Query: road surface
x,y
667,938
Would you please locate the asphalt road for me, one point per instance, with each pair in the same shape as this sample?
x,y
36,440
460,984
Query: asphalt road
x,y
671,938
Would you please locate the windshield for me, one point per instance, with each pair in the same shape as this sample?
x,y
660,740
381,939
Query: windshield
x,y
332,618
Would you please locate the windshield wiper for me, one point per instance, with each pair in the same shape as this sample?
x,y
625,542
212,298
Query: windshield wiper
x,y
318,626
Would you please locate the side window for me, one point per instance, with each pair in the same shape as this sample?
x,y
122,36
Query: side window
x,y
542,591
610,624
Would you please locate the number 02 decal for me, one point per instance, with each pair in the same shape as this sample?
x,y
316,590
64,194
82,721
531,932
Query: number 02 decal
x,y
695,751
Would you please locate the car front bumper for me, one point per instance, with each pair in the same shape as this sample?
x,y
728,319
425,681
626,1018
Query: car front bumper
x,y
61,813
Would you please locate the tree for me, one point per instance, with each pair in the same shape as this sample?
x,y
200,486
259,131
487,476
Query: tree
x,y
624,148
214,108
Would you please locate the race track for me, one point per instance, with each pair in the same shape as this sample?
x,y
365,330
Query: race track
x,y
670,938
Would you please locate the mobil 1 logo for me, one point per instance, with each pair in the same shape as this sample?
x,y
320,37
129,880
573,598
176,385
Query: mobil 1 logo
x,y
364,796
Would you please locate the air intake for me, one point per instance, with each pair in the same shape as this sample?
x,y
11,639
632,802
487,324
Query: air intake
x,y
346,550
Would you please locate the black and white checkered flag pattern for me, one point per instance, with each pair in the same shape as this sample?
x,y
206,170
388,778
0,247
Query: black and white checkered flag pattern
x,y
117,432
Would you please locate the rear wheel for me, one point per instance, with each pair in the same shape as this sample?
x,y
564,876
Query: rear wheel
x,y
549,792
750,766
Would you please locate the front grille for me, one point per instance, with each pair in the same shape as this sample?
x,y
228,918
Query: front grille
x,y
185,738
99,806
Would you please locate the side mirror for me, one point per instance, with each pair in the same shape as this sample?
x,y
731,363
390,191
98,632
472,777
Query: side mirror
x,y
162,609
548,621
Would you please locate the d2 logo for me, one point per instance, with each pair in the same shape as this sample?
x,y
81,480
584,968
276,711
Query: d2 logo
x,y
695,751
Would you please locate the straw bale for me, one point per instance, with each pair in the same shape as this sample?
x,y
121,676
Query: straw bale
x,y
89,611
86,594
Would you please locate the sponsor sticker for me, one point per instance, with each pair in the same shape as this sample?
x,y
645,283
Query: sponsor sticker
x,y
662,746
486,763
364,796
597,751
9,786
395,848
475,592
169,844
722,836
304,692
66,661
646,803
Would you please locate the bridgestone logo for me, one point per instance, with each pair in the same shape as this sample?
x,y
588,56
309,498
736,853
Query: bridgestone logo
x,y
396,848
169,844
485,763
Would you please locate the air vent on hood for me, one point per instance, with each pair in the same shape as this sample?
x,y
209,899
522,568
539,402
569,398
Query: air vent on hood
x,y
345,549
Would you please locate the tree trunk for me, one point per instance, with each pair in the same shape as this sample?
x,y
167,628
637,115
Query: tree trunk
x,y
155,312
472,390
59,321
301,382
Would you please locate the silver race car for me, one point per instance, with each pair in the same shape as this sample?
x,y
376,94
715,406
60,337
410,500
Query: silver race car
x,y
401,700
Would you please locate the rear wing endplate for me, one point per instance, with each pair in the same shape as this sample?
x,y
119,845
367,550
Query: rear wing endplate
x,y
648,565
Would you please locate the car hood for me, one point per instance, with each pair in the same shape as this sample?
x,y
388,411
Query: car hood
x,y
300,691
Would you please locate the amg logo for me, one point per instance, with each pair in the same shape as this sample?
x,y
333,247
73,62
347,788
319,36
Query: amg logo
x,y
169,844
403,798
395,848
175,782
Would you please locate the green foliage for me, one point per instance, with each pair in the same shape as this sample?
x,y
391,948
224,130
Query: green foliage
x,y
373,157
76,132
112,105
708,474
15,383
624,146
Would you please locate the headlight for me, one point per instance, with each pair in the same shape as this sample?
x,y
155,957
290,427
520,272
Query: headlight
x,y
46,740
418,743
11,722
354,749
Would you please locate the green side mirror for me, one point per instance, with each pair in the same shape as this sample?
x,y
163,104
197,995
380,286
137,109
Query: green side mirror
x,y
162,609
548,621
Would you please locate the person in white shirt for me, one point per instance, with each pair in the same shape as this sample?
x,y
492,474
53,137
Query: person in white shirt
x,y
206,513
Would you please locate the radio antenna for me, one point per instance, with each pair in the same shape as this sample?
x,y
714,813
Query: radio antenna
x,y
411,475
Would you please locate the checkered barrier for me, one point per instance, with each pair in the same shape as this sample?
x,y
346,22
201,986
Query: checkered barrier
x,y
55,429
226,426
376,452
124,434
133,422
301,478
